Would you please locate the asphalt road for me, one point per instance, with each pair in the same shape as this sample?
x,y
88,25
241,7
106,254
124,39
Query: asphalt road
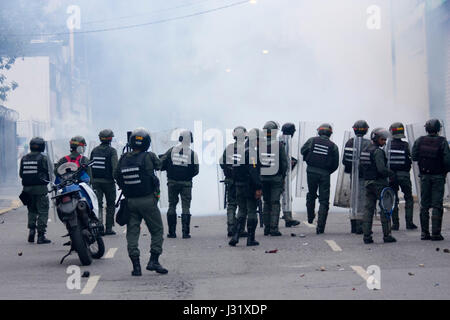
x,y
306,266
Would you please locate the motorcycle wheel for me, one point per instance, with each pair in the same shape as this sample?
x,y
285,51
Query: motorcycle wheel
x,y
97,249
80,246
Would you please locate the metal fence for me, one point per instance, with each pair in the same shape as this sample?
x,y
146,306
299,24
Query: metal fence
x,y
8,145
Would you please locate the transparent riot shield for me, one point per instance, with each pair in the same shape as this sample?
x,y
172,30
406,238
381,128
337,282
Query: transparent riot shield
x,y
51,161
286,202
342,196
413,132
221,188
357,184
306,130
161,142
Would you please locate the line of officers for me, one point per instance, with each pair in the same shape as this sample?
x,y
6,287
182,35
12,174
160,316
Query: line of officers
x,y
135,175
256,166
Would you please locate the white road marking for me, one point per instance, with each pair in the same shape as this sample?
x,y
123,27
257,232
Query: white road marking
x,y
110,254
90,285
334,246
309,224
361,271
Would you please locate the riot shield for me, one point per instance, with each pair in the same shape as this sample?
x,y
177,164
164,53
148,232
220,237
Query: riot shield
x,y
221,188
161,142
286,203
306,130
413,132
357,184
342,195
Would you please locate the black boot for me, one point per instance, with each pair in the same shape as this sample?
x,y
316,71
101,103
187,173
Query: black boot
x,y
311,214
353,225
136,267
242,232
235,238
387,237
230,230
153,264
321,222
109,231
425,226
251,227
410,226
172,225
31,235
436,225
395,225
185,222
358,226
288,221
41,239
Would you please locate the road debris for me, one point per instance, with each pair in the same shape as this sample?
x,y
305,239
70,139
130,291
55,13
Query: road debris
x,y
437,249
85,274
302,275
293,235
421,265
323,269
19,254
446,250
410,273
272,251
302,235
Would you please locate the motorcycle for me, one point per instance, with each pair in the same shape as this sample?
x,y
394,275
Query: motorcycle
x,y
77,207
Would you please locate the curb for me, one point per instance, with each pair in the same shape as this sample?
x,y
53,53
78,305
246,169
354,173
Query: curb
x,y
15,204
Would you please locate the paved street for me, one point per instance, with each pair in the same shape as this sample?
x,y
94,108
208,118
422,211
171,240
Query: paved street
x,y
205,267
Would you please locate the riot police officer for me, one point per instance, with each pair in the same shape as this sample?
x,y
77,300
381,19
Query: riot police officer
x,y
246,176
181,164
135,176
272,156
399,160
433,156
226,164
322,157
376,173
351,165
35,176
288,130
77,148
105,163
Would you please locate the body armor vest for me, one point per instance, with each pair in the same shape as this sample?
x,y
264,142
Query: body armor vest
x,y
102,166
33,171
319,155
133,178
398,156
369,167
430,155
180,166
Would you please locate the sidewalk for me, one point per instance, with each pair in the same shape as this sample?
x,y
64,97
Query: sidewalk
x,y
9,198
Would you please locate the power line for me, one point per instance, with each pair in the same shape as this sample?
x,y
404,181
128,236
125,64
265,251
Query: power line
x,y
148,13
133,25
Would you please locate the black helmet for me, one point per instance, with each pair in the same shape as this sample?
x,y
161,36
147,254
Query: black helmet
x,y
397,130
360,128
378,133
271,127
186,135
106,135
433,126
288,129
140,139
239,131
325,129
37,144
77,141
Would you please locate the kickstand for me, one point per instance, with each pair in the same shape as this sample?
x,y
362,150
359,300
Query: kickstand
x,y
62,260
